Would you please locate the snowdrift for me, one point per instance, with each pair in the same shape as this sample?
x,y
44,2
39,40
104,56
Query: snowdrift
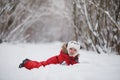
x,y
92,66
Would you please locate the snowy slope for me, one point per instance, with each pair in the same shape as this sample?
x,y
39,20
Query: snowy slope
x,y
92,66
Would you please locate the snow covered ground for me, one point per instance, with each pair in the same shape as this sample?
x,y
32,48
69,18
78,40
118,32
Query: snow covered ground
x,y
92,66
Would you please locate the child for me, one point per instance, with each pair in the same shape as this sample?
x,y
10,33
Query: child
x,y
68,55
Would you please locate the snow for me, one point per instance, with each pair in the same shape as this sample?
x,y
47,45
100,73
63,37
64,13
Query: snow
x,y
92,66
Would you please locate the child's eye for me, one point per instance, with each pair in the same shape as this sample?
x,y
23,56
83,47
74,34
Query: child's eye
x,y
70,48
73,49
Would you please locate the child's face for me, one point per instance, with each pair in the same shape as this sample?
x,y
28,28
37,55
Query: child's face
x,y
72,51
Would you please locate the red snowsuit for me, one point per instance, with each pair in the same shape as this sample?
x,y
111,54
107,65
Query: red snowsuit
x,y
59,59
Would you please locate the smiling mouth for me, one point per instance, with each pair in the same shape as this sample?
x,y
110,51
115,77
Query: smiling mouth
x,y
72,53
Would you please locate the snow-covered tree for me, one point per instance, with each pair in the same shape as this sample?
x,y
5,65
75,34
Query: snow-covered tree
x,y
97,24
35,20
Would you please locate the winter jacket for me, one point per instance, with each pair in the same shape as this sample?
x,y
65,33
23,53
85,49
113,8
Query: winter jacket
x,y
63,57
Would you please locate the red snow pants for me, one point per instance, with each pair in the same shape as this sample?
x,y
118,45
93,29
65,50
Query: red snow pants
x,y
35,64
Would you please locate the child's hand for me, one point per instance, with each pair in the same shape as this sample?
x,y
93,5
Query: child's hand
x,y
77,55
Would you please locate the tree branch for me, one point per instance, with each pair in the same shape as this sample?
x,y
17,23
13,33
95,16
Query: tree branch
x,y
107,13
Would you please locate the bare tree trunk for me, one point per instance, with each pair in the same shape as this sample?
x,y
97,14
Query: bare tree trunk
x,y
74,20
100,25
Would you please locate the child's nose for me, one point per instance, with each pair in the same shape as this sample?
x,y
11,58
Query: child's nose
x,y
73,51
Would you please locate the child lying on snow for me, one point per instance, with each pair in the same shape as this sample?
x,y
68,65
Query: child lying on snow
x,y
68,55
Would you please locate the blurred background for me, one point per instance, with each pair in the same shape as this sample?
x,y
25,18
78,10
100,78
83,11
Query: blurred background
x,y
94,23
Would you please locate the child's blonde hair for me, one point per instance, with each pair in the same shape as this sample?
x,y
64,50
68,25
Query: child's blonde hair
x,y
64,48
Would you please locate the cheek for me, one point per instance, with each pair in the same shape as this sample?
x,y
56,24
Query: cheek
x,y
75,51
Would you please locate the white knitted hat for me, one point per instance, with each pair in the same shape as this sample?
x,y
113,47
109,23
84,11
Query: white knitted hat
x,y
73,44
